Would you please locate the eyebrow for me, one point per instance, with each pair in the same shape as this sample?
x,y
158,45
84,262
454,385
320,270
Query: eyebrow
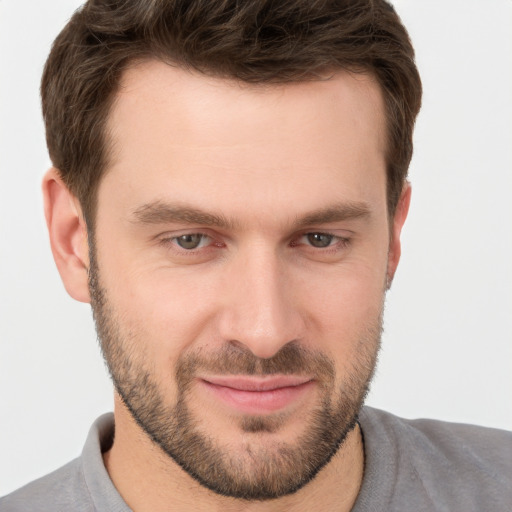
x,y
159,212
335,213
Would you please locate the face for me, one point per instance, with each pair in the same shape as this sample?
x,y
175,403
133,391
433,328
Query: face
x,y
238,269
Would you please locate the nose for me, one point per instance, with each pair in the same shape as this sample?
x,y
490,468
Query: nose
x,y
260,310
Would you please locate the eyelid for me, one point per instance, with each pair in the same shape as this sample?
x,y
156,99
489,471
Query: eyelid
x,y
168,235
344,238
168,241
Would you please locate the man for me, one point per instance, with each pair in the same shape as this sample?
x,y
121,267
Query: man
x,y
228,192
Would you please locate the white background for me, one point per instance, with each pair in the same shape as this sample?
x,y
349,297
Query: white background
x,y
448,340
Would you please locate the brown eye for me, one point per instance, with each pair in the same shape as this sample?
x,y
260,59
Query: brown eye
x,y
319,240
190,241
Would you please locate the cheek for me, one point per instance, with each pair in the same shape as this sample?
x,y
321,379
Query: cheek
x,y
347,313
167,311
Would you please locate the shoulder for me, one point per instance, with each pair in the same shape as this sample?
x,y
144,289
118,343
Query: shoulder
x,y
441,464
453,440
63,489
450,441
82,485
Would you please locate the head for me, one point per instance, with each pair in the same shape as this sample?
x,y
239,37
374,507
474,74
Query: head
x,y
228,193
254,42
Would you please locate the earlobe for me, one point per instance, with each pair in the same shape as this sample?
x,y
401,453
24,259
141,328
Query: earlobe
x,y
395,247
68,235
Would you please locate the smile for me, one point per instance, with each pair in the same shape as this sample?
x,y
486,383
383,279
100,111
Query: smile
x,y
253,395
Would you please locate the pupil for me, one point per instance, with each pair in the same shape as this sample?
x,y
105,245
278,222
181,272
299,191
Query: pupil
x,y
189,241
319,239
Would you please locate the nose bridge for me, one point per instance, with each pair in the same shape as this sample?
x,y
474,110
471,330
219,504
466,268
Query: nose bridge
x,y
260,310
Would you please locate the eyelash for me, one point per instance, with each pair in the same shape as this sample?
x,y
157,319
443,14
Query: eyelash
x,y
339,242
171,242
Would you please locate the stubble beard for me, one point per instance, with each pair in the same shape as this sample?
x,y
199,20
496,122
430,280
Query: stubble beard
x,y
258,469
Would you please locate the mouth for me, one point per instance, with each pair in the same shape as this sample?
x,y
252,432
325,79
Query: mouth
x,y
257,395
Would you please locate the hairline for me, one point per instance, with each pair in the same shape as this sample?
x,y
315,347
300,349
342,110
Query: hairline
x,y
109,145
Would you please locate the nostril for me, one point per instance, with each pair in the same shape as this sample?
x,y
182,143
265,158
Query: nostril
x,y
238,345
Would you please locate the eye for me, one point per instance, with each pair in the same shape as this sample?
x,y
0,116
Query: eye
x,y
322,244
191,241
319,240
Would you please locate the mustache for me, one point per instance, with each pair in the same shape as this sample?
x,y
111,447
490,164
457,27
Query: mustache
x,y
234,359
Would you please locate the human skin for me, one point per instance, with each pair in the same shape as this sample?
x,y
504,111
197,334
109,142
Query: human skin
x,y
262,157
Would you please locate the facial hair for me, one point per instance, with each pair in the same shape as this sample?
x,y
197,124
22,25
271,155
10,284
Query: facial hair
x,y
259,470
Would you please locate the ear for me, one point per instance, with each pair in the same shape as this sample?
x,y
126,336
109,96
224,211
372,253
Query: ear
x,y
68,235
395,248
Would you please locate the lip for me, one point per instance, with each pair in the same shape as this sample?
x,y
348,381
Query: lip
x,y
257,395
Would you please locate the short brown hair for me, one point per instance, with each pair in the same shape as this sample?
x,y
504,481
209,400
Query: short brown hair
x,y
256,41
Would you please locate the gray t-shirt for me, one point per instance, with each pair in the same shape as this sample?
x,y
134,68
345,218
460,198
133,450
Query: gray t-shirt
x,y
410,466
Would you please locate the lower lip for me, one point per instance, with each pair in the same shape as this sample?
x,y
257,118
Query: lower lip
x,y
258,402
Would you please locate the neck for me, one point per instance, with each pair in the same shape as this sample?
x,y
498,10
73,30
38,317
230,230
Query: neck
x,y
149,480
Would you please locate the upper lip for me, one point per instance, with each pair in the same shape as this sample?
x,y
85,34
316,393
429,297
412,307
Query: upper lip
x,y
267,383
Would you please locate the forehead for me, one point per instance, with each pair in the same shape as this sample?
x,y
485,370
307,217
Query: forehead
x,y
177,132
191,96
